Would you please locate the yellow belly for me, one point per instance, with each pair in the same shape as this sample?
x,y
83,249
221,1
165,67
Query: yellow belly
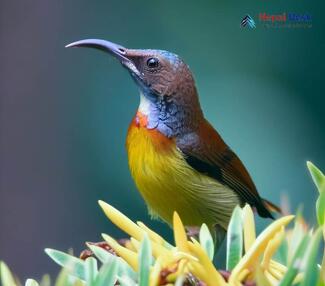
x,y
167,183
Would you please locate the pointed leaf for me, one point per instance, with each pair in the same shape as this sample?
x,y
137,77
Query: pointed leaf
x,y
91,270
106,257
320,208
107,275
126,254
31,282
298,233
7,278
126,281
122,221
145,258
322,267
74,265
249,232
234,239
62,279
281,254
125,269
179,233
206,241
103,255
252,255
46,281
296,264
311,271
317,175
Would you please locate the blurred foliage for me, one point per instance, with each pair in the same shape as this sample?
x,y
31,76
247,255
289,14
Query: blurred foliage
x,y
277,256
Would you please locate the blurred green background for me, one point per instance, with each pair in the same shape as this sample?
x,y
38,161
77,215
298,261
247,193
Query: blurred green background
x,y
65,112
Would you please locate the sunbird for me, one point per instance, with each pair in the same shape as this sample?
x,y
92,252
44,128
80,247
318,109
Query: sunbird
x,y
178,161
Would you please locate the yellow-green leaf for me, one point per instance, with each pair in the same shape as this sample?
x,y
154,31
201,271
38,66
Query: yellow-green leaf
x,y
31,282
311,270
145,258
296,264
317,175
320,208
206,241
235,238
7,278
74,265
91,270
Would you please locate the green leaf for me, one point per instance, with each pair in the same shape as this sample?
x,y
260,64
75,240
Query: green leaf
x,y
281,254
320,283
206,241
65,279
126,281
7,278
124,269
46,281
235,239
319,180
317,175
106,257
31,282
107,275
62,278
320,208
321,280
296,263
91,270
298,233
145,258
311,271
103,255
74,265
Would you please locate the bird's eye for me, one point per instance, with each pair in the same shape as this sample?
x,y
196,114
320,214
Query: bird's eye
x,y
152,63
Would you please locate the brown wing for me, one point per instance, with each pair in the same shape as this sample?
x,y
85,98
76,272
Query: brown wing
x,y
206,152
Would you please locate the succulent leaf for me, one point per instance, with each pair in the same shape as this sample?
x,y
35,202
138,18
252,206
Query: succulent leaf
x,y
206,241
235,238
74,265
145,258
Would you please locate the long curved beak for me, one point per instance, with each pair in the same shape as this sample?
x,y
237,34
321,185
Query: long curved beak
x,y
115,50
106,46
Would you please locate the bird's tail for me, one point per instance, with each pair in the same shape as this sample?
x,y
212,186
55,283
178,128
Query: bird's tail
x,y
272,207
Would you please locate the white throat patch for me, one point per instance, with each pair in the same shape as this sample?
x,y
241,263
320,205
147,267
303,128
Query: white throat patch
x,y
144,106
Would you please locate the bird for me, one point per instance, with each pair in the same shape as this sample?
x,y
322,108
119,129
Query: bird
x,y
178,160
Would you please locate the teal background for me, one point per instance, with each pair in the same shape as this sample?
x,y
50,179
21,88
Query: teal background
x,y
64,113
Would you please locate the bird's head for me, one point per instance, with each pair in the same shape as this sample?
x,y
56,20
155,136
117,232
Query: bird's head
x,y
168,94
